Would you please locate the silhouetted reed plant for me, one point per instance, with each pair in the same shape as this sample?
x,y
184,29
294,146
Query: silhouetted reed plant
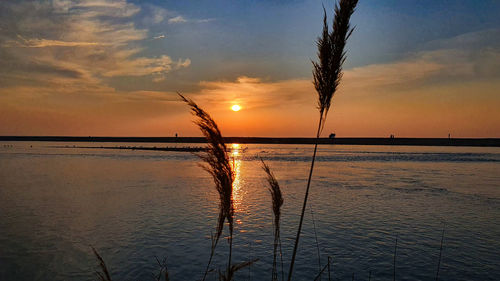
x,y
327,73
216,164
277,202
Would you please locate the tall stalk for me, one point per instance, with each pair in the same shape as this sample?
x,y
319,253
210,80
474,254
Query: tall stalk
x,y
316,237
327,73
440,252
394,263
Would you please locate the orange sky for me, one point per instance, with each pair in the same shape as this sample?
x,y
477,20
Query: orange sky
x,y
367,107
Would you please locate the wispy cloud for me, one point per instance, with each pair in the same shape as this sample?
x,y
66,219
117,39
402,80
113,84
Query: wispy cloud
x,y
177,19
97,39
253,92
159,37
427,67
41,43
181,19
205,20
96,8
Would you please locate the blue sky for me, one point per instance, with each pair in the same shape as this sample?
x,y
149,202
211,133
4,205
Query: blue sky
x,y
273,38
97,63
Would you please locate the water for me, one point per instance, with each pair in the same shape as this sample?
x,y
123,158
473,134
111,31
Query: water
x,y
134,205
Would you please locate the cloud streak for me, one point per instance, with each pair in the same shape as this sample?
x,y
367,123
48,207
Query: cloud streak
x,y
97,39
159,37
181,19
177,19
41,43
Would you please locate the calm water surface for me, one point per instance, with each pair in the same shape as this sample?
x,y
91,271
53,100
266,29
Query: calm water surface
x,y
134,205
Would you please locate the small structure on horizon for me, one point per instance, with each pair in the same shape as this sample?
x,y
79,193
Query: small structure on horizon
x,y
332,135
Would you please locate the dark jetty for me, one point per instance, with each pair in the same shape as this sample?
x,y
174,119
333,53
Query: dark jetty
x,y
491,142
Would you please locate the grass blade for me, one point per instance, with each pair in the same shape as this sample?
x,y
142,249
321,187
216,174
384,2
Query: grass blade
x,y
104,275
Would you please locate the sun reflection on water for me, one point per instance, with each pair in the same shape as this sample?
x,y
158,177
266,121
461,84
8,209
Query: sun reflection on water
x,y
236,165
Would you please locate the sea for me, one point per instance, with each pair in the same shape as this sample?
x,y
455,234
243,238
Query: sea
x,y
374,212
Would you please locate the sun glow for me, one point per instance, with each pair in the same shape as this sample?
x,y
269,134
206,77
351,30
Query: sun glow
x,y
235,107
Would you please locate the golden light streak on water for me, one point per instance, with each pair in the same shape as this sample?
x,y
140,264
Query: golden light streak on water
x,y
236,165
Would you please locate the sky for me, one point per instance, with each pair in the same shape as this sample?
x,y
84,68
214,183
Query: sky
x,y
414,68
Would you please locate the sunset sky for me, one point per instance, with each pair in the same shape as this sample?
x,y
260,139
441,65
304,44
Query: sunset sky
x,y
421,68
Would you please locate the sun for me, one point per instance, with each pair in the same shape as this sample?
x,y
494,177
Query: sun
x,y
235,107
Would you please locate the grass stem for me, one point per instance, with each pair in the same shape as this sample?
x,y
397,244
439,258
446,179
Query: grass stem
x,y
394,263
440,252
316,238
304,204
327,73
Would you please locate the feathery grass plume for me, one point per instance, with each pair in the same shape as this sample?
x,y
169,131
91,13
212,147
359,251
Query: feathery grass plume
x,y
217,165
104,275
277,199
327,74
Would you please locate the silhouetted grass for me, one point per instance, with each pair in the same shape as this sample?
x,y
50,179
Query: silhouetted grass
x,y
440,252
277,202
329,271
317,242
217,165
104,273
394,263
327,73
229,275
321,270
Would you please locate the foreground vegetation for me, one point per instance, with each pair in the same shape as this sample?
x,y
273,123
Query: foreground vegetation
x,y
327,75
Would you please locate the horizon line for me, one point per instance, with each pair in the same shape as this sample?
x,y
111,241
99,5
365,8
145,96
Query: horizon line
x,y
256,137
478,142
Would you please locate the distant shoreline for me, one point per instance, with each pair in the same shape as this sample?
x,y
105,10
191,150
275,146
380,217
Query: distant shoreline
x,y
485,142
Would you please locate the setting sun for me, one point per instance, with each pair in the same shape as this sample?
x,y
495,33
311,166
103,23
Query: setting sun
x,y
235,107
